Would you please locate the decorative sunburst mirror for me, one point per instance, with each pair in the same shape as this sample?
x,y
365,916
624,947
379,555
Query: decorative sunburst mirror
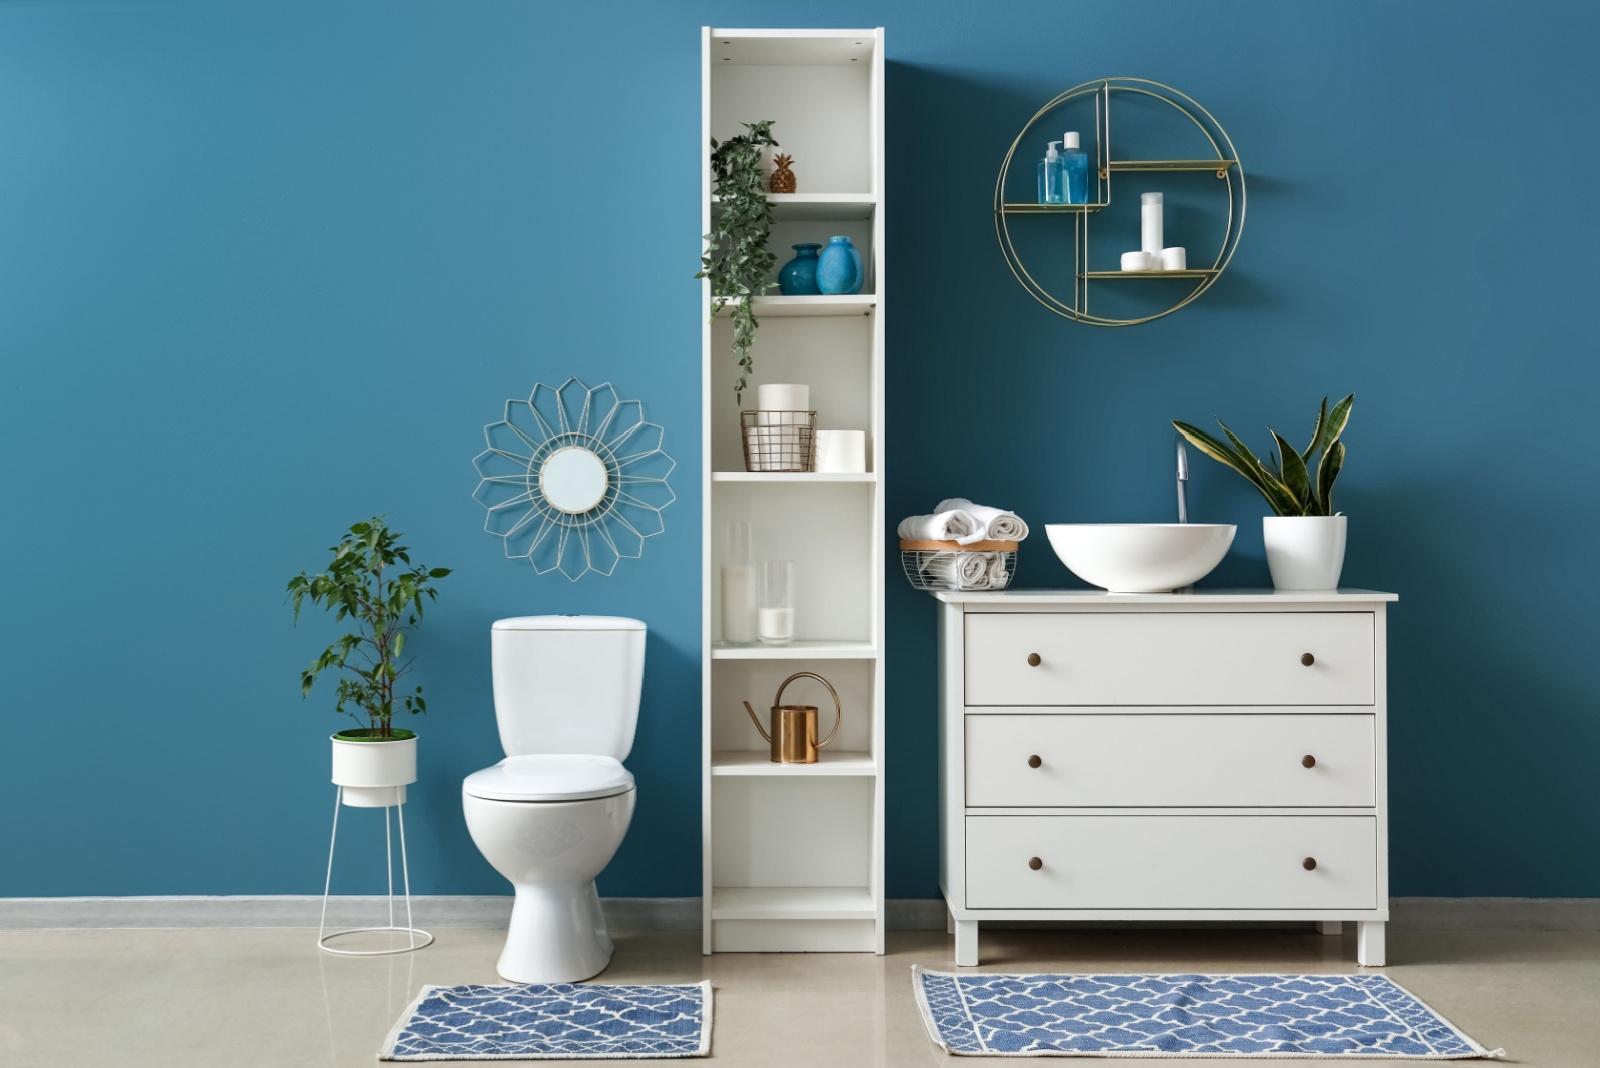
x,y
574,479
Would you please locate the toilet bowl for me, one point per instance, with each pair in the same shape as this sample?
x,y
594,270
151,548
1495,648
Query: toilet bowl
x,y
550,816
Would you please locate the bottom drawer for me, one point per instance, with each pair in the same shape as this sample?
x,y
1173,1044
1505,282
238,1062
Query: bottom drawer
x,y
1171,862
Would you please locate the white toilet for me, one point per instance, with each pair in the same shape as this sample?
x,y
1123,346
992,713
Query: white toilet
x,y
550,815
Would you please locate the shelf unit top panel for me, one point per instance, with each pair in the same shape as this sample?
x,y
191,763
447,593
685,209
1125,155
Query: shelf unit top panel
x,y
793,48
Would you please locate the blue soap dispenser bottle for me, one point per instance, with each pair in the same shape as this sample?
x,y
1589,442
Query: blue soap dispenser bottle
x,y
1051,189
1074,170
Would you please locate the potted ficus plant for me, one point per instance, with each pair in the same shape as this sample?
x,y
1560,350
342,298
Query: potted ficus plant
x,y
736,257
371,581
1305,539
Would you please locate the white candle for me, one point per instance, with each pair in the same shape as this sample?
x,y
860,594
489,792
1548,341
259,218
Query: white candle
x,y
1150,225
777,626
1175,259
738,603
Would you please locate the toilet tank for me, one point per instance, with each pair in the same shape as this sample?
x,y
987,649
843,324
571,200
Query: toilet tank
x,y
567,684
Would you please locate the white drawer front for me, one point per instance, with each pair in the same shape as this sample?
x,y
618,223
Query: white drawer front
x,y
1169,658
1169,761
1176,862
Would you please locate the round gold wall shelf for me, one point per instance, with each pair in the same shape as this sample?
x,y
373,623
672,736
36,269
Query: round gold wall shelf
x,y
1224,163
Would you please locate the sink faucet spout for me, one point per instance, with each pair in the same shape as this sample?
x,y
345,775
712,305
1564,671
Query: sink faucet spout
x,y
1183,480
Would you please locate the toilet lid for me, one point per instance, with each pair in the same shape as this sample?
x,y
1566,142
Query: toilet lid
x,y
550,777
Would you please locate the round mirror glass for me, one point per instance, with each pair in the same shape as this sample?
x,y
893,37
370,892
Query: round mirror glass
x,y
573,480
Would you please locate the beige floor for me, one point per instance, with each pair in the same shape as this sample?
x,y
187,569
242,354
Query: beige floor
x,y
259,998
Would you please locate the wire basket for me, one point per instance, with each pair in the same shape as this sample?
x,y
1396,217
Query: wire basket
x,y
948,565
779,441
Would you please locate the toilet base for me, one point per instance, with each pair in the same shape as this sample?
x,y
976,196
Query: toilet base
x,y
558,935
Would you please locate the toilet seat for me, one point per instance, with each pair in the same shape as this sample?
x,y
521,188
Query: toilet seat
x,y
550,777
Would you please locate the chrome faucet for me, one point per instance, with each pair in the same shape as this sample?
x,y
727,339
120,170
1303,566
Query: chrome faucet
x,y
1183,481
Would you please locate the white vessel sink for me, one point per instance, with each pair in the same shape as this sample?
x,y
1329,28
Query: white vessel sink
x,y
1141,557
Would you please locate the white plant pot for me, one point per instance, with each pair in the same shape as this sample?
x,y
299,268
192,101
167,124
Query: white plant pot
x,y
1304,552
374,774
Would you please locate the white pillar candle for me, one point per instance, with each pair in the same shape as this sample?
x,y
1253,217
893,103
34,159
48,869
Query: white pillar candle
x,y
783,397
1150,238
1175,259
739,603
777,626
841,451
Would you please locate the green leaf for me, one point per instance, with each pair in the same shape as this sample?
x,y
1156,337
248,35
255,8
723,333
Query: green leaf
x,y
1294,471
1327,471
1271,487
1316,431
1329,429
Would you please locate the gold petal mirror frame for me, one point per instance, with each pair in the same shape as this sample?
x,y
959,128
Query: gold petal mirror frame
x,y
1224,163
573,479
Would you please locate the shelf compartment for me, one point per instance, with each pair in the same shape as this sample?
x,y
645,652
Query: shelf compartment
x,y
1220,166
1051,209
758,763
816,207
792,903
1198,273
808,650
794,476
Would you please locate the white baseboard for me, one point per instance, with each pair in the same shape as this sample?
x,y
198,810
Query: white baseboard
x,y
674,913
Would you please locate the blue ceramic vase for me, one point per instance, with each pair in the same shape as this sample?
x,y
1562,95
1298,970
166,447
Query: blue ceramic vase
x,y
799,276
839,267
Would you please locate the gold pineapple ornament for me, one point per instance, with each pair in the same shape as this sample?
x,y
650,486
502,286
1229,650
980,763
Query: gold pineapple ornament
x,y
782,176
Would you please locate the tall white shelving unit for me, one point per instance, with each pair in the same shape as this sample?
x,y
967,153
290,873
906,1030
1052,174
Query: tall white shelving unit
x,y
793,854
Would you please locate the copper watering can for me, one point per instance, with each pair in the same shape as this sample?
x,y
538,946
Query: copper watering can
x,y
794,727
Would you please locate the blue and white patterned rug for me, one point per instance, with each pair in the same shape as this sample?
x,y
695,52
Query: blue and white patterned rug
x,y
546,1021
1333,1016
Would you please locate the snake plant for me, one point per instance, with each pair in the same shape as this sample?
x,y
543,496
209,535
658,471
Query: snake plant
x,y
1286,480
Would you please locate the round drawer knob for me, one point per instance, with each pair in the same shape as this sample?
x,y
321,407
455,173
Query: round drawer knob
x,y
1033,659
1307,659
1308,761
1034,761
1035,863
1309,864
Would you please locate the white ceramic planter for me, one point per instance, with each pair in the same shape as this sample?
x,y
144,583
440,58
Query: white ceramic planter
x,y
374,774
1304,552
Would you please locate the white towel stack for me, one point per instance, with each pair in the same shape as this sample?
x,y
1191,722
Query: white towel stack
x,y
959,520
996,524
950,524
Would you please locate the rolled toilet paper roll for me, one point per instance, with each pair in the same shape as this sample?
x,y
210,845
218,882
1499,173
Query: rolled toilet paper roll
x,y
783,397
1175,259
1138,261
841,451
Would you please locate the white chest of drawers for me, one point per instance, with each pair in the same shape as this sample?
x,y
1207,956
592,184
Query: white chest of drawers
x,y
1207,755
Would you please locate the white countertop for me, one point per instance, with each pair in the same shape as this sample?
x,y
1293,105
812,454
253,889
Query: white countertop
x,y
1185,596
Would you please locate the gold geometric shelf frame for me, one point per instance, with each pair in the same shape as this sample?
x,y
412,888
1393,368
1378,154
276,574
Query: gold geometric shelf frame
x,y
573,415
1224,164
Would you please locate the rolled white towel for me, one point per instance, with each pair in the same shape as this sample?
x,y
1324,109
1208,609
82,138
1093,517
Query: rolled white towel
x,y
944,525
996,524
957,571
997,571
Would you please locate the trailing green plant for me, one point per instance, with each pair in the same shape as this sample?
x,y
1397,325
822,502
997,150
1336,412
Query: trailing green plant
x,y
736,257
372,581
1286,480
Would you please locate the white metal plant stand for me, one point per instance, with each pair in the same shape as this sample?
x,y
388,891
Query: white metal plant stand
x,y
415,937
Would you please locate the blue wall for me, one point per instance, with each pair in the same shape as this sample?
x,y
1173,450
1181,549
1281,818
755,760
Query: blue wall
x,y
266,269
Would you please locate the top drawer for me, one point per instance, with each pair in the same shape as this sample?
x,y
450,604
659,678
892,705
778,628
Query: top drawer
x,y
1169,658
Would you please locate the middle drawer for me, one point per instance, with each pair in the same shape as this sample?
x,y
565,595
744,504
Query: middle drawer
x,y
1171,760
